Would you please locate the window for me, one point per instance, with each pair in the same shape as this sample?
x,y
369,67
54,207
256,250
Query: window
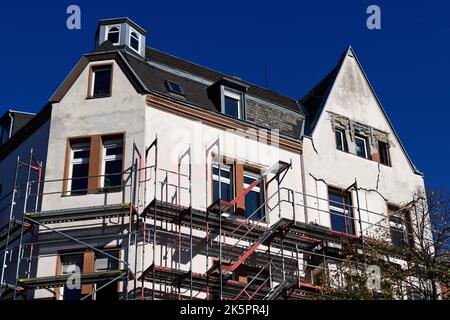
x,y
227,183
174,88
341,142
134,40
341,213
400,227
71,263
114,34
112,164
361,147
232,104
79,168
101,81
383,150
105,263
254,200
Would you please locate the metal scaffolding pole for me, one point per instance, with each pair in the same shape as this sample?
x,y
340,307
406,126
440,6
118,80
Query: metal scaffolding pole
x,y
11,214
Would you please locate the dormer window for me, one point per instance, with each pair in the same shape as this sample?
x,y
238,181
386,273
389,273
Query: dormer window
x,y
232,104
113,34
134,40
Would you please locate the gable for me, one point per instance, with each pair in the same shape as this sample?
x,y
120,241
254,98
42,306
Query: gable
x,y
351,95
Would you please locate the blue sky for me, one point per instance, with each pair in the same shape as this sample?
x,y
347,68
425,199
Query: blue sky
x,y
407,61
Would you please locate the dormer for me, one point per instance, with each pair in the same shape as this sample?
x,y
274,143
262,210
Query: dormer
x,y
122,32
228,94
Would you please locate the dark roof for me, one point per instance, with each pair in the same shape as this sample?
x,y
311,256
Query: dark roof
x,y
208,74
314,101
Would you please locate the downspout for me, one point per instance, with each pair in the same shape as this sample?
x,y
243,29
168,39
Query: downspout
x,y
305,204
11,125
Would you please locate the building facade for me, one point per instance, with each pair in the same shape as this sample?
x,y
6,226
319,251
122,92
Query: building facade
x,y
150,177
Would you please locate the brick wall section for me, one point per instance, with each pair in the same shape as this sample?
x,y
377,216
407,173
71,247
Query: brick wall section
x,y
268,117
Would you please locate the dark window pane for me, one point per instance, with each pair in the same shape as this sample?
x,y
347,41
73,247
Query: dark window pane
x,y
82,154
231,107
113,35
114,151
174,87
226,191
397,237
223,172
253,202
113,174
79,180
361,147
339,142
71,263
337,221
341,211
384,153
134,42
102,83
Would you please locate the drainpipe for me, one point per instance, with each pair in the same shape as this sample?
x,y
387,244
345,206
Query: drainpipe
x,y
305,204
11,125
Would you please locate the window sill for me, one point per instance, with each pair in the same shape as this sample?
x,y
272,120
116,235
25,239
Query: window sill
x,y
347,152
97,97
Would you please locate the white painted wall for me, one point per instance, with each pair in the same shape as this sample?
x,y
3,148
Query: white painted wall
x,y
351,97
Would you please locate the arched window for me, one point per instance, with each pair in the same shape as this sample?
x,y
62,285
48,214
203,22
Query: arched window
x,y
113,34
134,40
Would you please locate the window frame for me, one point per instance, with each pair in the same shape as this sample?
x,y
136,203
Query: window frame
x,y
172,90
235,95
105,158
388,155
366,149
343,139
108,30
215,177
132,30
343,213
406,226
73,146
261,190
91,82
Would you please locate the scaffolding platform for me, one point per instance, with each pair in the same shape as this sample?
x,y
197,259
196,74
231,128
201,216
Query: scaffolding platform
x,y
61,280
304,235
80,214
15,228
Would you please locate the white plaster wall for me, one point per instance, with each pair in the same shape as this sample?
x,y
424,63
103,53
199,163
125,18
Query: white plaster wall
x,y
76,116
351,97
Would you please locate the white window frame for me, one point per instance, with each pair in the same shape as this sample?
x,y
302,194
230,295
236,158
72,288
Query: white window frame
x,y
81,146
106,66
228,181
366,151
108,29
138,39
236,96
112,143
341,133
256,188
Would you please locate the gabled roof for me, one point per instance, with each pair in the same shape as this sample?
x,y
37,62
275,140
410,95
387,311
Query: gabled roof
x,y
315,100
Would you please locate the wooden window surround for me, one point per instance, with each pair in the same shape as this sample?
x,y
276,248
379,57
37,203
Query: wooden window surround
x,y
95,160
92,69
238,169
89,258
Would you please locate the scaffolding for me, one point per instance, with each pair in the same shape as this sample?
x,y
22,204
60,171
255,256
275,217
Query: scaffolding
x,y
282,254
